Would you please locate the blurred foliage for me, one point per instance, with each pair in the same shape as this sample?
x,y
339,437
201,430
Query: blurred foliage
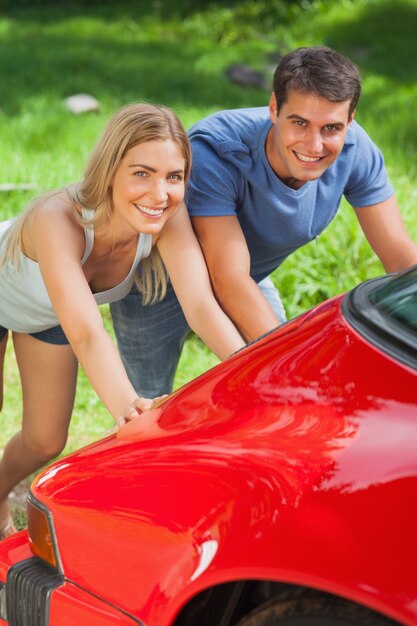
x,y
159,8
227,21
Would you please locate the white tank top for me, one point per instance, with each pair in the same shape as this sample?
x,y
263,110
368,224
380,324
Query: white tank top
x,y
25,306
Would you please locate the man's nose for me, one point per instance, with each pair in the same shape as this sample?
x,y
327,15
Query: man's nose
x,y
314,142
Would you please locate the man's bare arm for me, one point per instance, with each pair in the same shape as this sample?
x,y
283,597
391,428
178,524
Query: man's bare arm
x,y
227,257
384,229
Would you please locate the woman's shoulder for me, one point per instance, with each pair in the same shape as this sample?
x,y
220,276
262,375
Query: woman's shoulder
x,y
54,215
56,207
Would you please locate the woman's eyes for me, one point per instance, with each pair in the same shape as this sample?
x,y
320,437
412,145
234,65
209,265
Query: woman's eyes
x,y
143,174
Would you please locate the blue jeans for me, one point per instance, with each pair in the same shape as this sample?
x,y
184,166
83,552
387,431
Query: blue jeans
x,y
151,337
53,335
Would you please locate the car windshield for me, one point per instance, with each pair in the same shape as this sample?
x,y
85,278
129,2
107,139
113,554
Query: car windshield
x,y
384,310
398,299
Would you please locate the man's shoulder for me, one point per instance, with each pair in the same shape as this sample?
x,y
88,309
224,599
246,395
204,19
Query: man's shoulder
x,y
356,135
231,125
358,148
360,170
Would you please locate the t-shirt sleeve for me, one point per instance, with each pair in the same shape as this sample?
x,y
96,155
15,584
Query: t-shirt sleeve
x,y
212,189
368,182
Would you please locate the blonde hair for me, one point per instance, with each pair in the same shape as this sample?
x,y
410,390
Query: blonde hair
x,y
132,125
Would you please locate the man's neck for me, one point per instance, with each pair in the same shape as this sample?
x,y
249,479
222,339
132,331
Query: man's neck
x,y
294,183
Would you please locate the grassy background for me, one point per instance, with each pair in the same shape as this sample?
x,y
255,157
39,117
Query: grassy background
x,y
177,54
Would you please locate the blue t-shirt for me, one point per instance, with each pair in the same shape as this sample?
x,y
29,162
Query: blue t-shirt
x,y
231,175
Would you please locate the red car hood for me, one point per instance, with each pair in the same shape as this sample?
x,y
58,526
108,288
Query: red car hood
x,y
309,423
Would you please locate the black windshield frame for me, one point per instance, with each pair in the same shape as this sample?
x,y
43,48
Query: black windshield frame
x,y
370,309
398,299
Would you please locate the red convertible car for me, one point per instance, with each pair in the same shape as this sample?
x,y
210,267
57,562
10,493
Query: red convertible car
x,y
277,489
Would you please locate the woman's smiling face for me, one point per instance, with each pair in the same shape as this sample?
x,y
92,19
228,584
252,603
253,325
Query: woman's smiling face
x,y
149,186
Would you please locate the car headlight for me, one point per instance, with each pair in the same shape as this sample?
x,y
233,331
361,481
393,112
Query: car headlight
x,y
41,533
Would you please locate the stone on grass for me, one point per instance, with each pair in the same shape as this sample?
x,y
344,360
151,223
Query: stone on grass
x,y
81,103
246,76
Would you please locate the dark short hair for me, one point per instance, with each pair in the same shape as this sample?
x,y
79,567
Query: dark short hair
x,y
318,70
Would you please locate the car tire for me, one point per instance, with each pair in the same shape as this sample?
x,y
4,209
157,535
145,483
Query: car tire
x,y
314,610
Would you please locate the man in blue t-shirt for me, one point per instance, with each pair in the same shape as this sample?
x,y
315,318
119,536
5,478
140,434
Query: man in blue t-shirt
x,y
264,182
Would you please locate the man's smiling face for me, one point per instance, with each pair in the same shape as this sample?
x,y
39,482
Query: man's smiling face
x,y
306,137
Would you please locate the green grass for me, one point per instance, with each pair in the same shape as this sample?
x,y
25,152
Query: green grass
x,y
177,54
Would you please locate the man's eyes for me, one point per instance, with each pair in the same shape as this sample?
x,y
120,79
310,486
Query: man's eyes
x,y
329,128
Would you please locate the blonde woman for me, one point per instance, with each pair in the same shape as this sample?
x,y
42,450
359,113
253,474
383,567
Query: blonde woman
x,y
79,247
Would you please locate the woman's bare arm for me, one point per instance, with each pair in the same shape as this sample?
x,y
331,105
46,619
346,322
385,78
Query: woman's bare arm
x,y
185,263
58,244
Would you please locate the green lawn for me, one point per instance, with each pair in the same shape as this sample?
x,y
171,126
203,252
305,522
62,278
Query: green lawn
x,y
177,54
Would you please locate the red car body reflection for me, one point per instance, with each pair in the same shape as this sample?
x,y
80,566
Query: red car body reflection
x,y
292,464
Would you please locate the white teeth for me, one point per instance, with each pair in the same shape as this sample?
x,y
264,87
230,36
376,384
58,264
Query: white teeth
x,y
148,211
307,159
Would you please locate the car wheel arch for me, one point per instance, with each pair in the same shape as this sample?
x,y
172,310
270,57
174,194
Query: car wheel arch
x,y
232,603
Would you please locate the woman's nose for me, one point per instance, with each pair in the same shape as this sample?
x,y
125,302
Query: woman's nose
x,y
159,191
